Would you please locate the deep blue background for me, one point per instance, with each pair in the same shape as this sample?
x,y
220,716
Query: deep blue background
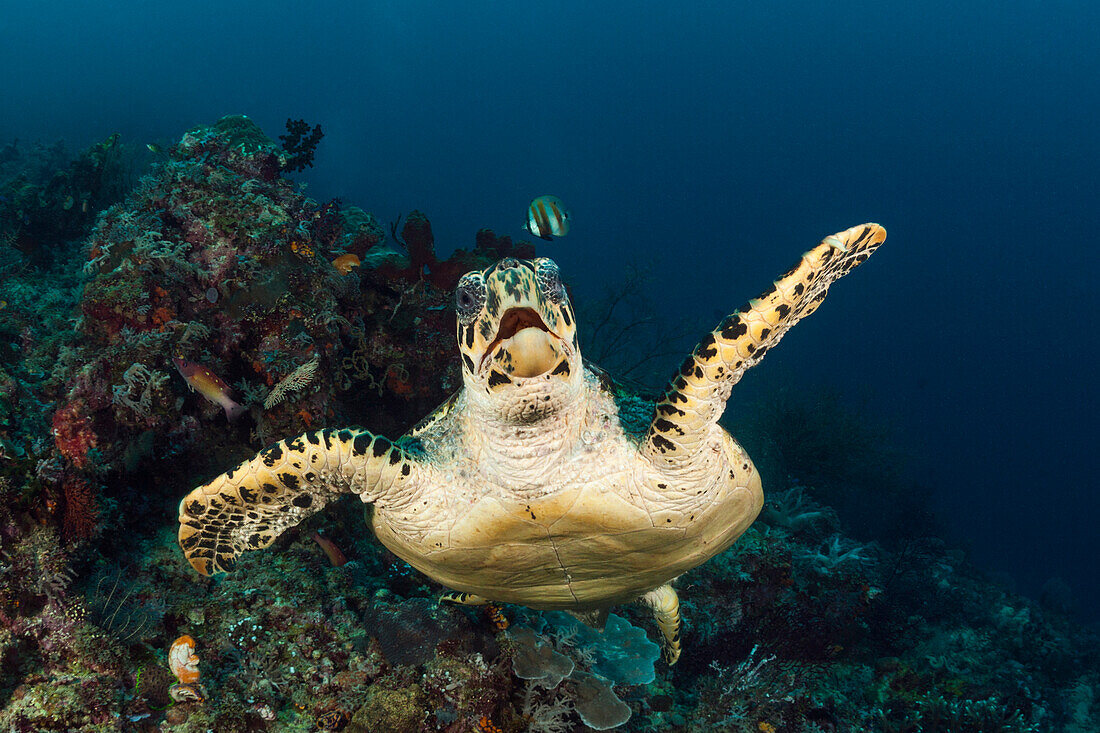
x,y
713,145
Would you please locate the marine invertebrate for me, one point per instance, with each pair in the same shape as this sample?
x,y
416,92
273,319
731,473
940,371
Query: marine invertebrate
x,y
34,569
73,433
537,660
747,673
794,511
557,684
332,720
409,632
186,692
296,381
151,683
300,141
745,691
81,518
112,606
837,551
193,331
50,197
183,661
45,675
416,236
597,704
546,712
345,263
213,217
140,380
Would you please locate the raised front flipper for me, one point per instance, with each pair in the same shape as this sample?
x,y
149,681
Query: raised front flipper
x,y
696,397
248,507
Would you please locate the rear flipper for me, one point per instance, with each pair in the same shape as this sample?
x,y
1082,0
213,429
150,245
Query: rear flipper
x,y
666,609
248,507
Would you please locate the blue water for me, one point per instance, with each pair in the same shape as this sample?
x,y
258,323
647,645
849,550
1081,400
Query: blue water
x,y
712,145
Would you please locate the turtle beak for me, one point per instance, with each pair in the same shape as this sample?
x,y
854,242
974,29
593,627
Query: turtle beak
x,y
524,346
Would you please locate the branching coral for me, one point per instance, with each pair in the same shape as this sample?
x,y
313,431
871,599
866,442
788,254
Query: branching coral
x,y
251,393
837,551
625,331
735,682
743,693
301,142
36,568
296,381
357,366
794,511
546,711
138,380
192,331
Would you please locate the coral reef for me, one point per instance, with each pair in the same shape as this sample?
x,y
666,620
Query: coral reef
x,y
48,200
588,662
215,258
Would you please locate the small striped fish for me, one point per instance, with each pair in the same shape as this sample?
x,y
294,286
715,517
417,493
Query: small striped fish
x,y
547,218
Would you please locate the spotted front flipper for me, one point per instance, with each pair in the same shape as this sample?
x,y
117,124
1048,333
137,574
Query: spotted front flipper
x,y
248,507
696,396
666,609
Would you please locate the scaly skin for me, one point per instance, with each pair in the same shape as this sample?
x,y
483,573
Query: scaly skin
x,y
696,397
248,507
564,513
540,482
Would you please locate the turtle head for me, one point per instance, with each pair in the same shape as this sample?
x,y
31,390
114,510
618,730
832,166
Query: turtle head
x,y
518,337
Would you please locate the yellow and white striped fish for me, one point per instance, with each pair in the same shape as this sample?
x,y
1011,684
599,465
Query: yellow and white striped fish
x,y
547,218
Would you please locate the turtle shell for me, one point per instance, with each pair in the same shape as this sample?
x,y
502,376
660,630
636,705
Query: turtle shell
x,y
609,531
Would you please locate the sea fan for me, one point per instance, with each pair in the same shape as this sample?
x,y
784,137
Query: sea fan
x,y
114,606
296,381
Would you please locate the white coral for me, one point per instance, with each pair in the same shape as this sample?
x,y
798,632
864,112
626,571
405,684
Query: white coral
x,y
296,381
793,510
547,711
142,381
837,551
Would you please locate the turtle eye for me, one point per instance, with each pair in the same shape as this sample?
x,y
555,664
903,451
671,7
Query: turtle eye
x,y
469,297
550,281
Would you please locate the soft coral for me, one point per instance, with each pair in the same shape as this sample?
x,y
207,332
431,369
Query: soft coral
x,y
73,433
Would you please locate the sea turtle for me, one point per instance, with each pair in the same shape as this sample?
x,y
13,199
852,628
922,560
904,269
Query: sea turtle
x,y
540,482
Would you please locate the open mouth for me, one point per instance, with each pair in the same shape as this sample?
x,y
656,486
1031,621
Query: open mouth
x,y
515,320
529,342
